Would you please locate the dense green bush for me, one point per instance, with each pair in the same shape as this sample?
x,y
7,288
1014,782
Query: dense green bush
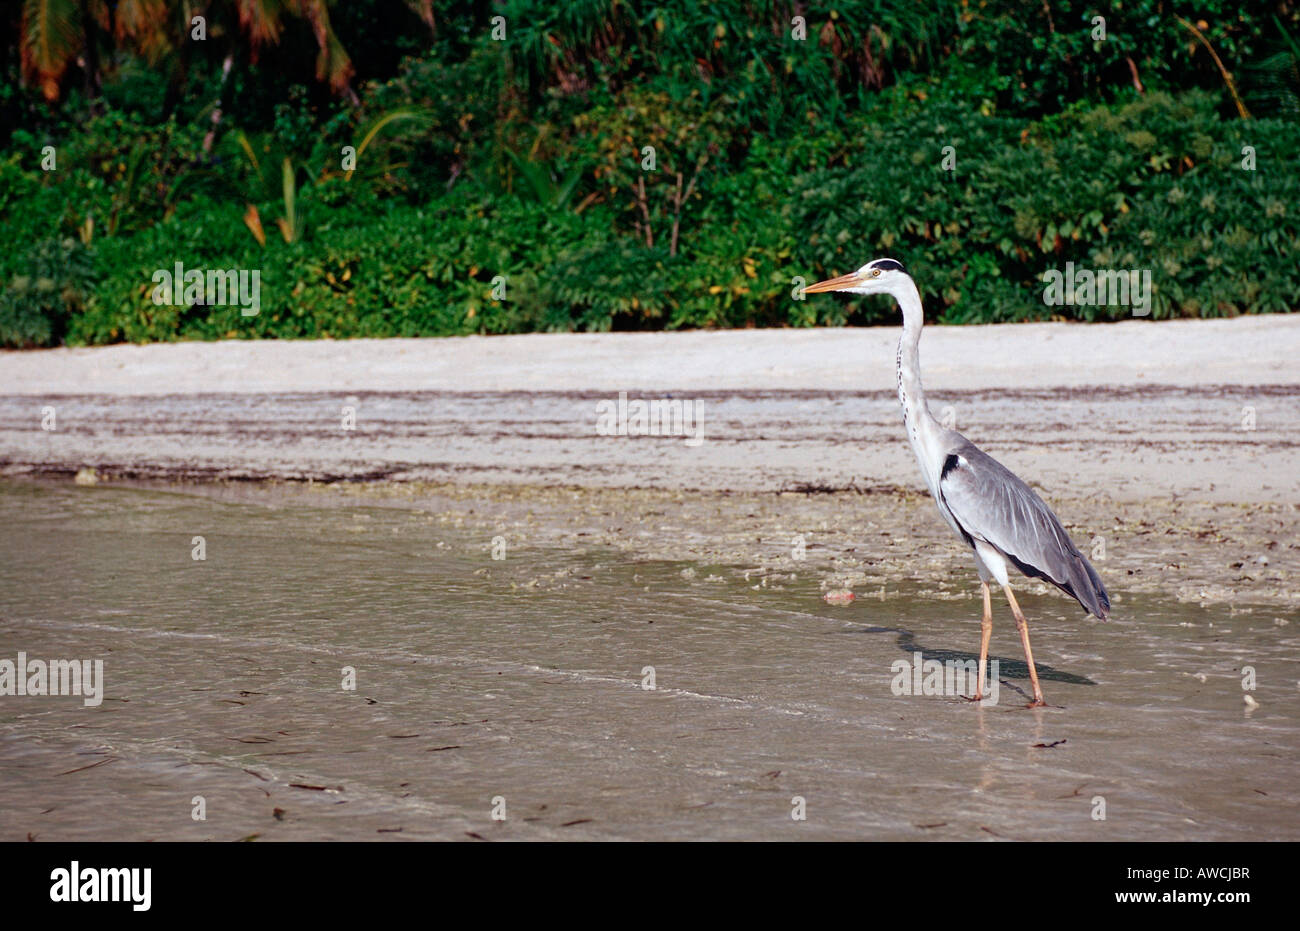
x,y
1038,57
36,306
1155,184
520,164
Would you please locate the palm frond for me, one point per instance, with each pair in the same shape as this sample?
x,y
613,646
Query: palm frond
x,y
52,37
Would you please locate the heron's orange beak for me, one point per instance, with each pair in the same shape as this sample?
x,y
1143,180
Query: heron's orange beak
x,y
850,280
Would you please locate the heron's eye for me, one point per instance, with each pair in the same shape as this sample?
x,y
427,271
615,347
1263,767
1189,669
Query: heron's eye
x,y
875,273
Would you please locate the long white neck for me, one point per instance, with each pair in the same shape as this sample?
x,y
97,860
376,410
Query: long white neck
x,y
922,429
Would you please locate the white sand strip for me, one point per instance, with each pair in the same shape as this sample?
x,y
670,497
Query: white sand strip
x,y
1258,350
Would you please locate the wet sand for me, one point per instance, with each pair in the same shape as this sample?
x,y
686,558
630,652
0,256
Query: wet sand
x,y
519,682
1168,451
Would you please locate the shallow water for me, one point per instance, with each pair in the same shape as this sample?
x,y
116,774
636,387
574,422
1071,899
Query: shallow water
x,y
520,679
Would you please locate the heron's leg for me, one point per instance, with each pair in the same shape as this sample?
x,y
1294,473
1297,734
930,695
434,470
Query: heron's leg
x,y
1023,626
986,631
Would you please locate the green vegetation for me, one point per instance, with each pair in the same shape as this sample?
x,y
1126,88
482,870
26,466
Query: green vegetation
x,y
521,163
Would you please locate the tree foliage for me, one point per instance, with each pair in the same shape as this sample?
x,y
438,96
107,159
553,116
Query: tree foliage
x,y
619,165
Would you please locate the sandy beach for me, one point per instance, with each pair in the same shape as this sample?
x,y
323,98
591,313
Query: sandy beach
x,y
1168,448
1256,350
448,520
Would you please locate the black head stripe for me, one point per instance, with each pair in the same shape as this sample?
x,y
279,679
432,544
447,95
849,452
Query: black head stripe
x,y
888,265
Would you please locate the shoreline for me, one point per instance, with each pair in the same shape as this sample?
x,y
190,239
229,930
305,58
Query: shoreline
x,y
1188,482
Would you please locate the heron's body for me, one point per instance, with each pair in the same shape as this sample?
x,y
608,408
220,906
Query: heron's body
x,y
1000,517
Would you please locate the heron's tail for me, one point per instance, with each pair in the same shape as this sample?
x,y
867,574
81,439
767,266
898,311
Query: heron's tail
x,y
1085,585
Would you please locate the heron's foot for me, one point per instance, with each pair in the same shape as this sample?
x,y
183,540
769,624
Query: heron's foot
x,y
973,698
1037,703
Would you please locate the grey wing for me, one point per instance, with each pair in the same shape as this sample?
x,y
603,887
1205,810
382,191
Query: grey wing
x,y
991,503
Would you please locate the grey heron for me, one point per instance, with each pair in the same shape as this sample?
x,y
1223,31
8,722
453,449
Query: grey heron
x,y
1001,519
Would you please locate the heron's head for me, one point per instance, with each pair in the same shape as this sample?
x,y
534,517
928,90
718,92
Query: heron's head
x,y
879,276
